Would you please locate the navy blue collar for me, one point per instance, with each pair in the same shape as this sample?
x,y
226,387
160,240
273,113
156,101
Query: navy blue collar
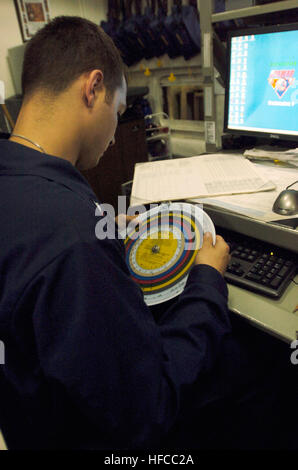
x,y
17,159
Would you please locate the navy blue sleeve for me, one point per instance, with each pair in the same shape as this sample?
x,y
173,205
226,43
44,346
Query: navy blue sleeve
x,y
97,338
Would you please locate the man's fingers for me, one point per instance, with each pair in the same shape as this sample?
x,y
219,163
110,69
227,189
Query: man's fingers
x,y
129,218
222,242
208,238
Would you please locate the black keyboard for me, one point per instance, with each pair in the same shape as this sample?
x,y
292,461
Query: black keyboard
x,y
258,266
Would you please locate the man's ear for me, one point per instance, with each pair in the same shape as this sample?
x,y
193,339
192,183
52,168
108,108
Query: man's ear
x,y
93,83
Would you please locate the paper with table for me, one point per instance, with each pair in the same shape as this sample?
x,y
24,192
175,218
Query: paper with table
x,y
257,205
193,177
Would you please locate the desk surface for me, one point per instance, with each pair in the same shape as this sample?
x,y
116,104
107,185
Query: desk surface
x,y
276,317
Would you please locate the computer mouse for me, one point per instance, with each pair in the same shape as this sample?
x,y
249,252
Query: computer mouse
x,y
286,203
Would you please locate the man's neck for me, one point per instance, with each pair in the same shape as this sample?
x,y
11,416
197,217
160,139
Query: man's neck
x,y
52,131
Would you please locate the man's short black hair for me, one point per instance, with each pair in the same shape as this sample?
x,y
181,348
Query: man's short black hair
x,y
66,48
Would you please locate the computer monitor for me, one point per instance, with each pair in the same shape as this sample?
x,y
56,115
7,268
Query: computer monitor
x,y
262,82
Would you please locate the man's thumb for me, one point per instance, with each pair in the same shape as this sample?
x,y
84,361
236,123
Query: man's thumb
x,y
208,236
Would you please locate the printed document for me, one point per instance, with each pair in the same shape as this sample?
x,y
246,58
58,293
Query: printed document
x,y
192,177
258,205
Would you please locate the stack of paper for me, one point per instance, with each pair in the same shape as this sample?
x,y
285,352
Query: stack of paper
x,y
257,205
266,153
193,177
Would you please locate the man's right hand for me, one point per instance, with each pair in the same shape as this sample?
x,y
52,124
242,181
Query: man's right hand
x,y
216,255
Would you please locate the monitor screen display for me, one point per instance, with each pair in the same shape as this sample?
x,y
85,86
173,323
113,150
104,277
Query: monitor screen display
x,y
262,85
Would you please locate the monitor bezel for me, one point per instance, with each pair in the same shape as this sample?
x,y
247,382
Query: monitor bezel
x,y
246,32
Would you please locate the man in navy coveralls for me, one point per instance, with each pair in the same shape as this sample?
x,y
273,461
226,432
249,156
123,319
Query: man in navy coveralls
x,y
86,366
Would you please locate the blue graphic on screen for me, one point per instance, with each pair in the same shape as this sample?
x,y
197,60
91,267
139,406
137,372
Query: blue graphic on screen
x,y
263,92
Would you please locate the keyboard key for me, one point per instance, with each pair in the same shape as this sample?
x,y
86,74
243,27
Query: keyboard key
x,y
239,272
235,264
284,271
275,283
254,277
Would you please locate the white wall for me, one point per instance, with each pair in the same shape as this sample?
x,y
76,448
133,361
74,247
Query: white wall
x,y
10,34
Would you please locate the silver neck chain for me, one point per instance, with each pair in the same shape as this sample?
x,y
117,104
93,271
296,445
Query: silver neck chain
x,y
29,140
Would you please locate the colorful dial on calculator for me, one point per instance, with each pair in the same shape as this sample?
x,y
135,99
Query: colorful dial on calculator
x,y
161,248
